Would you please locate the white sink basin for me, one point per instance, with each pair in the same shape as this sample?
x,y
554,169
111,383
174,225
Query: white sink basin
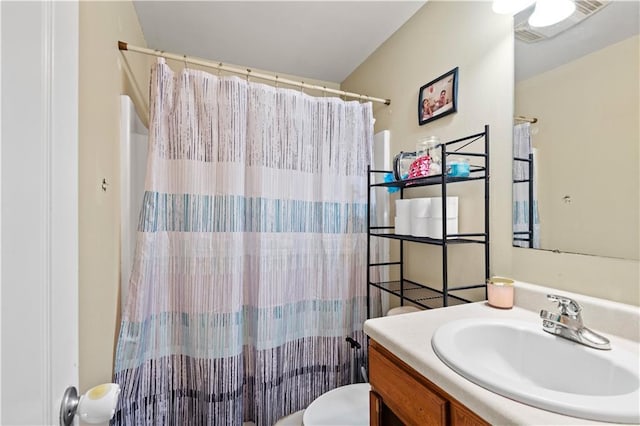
x,y
518,360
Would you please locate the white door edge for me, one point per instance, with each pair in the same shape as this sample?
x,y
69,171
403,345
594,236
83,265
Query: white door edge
x,y
38,209
64,192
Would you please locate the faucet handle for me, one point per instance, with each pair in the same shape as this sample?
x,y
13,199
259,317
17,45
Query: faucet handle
x,y
566,305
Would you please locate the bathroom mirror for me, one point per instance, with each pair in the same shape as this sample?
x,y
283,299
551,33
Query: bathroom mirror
x,y
576,102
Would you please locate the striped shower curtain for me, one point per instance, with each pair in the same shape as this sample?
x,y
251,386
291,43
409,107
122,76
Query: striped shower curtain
x,y
250,265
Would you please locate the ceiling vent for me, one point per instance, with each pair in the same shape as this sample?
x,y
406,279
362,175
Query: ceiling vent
x,y
528,34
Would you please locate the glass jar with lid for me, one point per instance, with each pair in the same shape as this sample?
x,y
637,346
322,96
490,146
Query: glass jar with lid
x,y
424,144
430,146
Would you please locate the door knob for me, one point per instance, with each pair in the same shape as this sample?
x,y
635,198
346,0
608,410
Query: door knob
x,y
97,405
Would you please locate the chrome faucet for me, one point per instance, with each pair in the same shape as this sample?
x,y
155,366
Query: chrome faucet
x,y
568,323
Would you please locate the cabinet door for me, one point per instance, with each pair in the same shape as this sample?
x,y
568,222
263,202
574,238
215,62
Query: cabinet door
x,y
375,409
404,397
408,398
380,414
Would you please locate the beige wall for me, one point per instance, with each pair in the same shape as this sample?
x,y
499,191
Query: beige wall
x,y
587,143
439,37
103,77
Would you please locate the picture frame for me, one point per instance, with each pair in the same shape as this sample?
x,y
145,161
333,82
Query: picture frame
x,y
438,98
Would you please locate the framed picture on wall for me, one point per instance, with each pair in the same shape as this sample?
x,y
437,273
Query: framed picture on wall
x,y
438,97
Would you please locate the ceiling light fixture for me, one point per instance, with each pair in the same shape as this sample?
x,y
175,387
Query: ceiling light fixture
x,y
549,12
510,7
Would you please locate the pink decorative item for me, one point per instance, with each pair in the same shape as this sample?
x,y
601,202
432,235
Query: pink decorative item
x,y
420,167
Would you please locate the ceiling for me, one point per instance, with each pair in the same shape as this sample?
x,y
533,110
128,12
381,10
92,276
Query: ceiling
x,y
324,40
617,21
327,40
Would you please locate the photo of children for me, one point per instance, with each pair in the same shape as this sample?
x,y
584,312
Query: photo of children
x,y
437,97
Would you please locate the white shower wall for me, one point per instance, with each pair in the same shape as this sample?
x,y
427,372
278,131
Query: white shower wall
x,y
133,166
381,215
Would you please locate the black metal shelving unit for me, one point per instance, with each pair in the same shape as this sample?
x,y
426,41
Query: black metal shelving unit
x,y
526,236
421,294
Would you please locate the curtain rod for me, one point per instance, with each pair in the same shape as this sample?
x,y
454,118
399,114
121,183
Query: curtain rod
x,y
122,45
527,119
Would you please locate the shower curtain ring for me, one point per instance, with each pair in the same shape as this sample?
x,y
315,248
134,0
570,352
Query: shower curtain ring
x,y
302,87
277,81
248,74
185,62
219,68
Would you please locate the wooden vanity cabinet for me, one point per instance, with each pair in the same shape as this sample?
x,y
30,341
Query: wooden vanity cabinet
x,y
401,396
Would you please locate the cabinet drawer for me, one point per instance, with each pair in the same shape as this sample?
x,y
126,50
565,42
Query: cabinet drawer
x,y
407,397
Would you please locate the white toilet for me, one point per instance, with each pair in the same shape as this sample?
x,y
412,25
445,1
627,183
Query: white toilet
x,y
343,406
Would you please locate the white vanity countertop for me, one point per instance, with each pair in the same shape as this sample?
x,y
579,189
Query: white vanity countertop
x,y
408,336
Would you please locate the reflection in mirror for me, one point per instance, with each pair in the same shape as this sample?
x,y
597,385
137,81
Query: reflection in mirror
x,y
576,167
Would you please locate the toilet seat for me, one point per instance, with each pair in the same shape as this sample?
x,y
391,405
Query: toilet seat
x,y
346,405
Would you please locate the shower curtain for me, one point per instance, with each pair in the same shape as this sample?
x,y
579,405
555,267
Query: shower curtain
x,y
250,265
522,148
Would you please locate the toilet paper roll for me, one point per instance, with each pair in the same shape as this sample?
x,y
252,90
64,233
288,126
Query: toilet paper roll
x,y
402,226
435,227
403,208
420,207
435,208
420,226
